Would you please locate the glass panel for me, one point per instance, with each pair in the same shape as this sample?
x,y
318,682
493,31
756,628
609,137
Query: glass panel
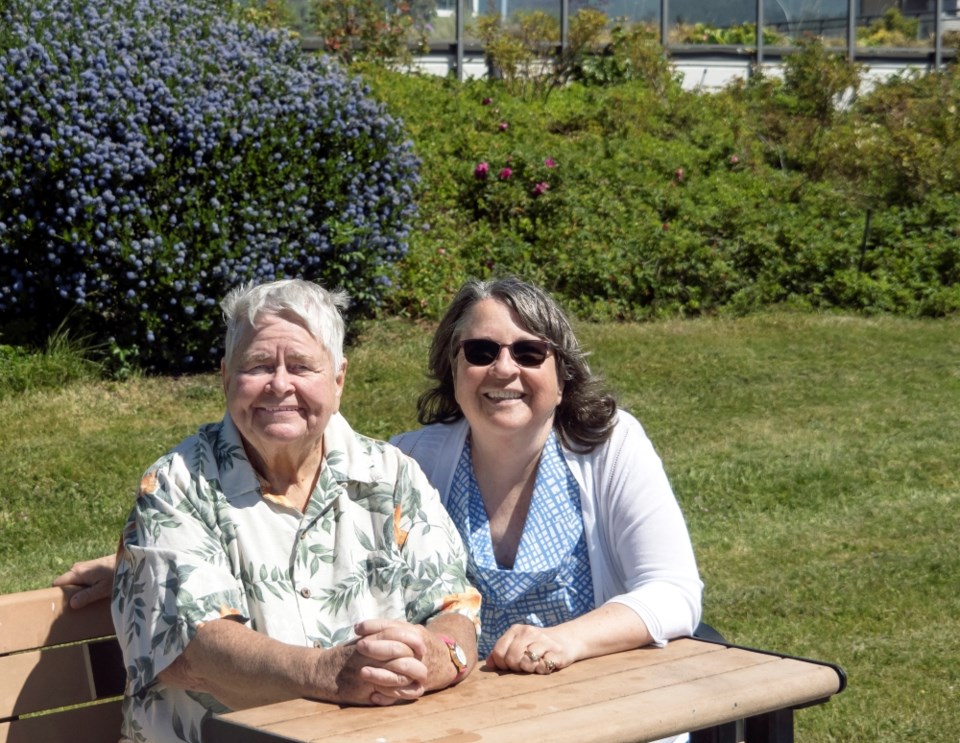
x,y
441,20
510,8
643,11
720,22
790,21
906,24
901,24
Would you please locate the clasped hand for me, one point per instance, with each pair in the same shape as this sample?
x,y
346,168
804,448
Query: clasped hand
x,y
391,659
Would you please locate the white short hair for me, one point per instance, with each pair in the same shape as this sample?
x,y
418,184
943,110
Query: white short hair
x,y
308,304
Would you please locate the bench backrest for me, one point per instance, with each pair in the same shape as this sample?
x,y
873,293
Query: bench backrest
x,y
62,662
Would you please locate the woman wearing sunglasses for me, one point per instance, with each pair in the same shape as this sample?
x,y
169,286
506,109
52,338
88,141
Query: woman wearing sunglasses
x,y
575,539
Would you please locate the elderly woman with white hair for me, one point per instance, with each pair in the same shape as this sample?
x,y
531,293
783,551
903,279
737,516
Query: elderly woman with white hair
x,y
278,554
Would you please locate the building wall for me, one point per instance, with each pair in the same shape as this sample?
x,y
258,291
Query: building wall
x,y
709,70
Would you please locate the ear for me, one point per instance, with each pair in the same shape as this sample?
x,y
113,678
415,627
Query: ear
x,y
224,376
341,376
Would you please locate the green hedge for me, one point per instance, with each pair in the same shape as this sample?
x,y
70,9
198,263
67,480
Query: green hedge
x,y
662,202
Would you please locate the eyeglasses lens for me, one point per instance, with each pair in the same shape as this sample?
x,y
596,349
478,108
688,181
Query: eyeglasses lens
x,y
483,352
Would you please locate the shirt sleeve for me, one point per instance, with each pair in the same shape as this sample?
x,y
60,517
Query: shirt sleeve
x,y
432,548
647,536
173,573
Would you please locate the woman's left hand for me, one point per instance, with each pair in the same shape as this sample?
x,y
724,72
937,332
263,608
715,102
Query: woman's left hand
x,y
527,649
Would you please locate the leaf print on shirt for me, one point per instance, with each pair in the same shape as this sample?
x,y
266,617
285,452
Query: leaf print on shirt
x,y
335,460
192,737
172,638
363,539
210,550
377,498
202,497
154,522
326,639
225,453
207,435
375,572
326,520
274,580
131,730
142,667
314,554
324,505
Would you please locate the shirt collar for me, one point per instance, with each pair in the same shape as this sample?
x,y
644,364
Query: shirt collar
x,y
347,454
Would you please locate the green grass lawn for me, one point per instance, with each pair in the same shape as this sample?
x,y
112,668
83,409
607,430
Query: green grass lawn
x,y
817,459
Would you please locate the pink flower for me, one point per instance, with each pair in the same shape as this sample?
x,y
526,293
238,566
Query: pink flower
x,y
442,251
487,101
480,172
541,188
505,174
504,126
679,174
734,159
550,163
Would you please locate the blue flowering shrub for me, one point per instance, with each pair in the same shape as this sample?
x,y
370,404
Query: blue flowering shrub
x,y
155,153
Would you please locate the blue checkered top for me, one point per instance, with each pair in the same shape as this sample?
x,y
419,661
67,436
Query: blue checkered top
x,y
550,582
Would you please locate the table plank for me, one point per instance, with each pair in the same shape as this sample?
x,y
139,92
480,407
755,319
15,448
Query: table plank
x,y
665,711
571,712
685,686
475,686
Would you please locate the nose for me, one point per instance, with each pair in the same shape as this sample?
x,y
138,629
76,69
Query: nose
x,y
504,365
280,381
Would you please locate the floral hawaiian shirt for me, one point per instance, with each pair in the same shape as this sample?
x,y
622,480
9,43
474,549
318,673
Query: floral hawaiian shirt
x,y
203,542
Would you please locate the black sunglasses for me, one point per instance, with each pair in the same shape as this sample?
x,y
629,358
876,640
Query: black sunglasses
x,y
483,352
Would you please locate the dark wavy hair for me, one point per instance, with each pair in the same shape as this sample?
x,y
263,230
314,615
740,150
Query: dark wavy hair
x,y
585,417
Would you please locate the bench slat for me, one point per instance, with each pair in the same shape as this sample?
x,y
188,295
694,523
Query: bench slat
x,y
60,677
36,619
98,723
52,656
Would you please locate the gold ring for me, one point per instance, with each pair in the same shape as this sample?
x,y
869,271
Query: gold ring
x,y
535,657
551,666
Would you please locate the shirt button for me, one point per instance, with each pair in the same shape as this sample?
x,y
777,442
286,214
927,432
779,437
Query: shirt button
x,y
305,592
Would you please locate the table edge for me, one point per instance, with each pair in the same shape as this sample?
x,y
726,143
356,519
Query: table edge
x,y
837,668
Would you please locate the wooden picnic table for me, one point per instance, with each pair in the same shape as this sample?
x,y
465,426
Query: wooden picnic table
x,y
638,695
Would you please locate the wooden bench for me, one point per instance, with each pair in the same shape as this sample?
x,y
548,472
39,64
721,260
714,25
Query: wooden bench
x,y
61,670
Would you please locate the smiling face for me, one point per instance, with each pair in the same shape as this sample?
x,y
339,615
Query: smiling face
x,y
504,398
281,388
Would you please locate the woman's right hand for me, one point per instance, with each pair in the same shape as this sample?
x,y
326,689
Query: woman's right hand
x,y
524,648
95,575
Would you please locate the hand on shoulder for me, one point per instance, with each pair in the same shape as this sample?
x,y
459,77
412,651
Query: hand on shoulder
x,y
96,576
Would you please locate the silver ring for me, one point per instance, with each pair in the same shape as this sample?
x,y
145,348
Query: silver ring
x,y
535,657
551,666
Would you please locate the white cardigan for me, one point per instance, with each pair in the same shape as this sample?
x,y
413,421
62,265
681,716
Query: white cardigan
x,y
639,547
